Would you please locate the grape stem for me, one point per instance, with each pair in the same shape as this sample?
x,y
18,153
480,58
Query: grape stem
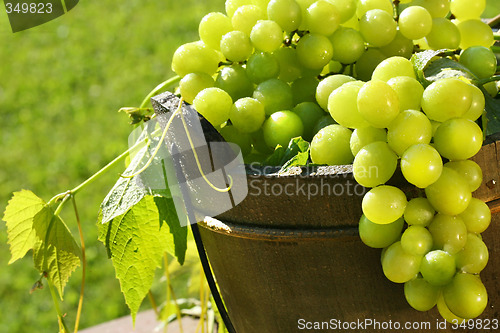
x,y
487,80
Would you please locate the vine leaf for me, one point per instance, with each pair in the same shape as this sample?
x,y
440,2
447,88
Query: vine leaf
x,y
18,217
56,252
492,107
136,242
297,153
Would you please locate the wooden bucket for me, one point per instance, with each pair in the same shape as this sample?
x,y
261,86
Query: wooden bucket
x,y
292,260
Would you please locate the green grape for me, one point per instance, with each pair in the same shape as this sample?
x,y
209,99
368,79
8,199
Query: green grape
x,y
491,88
468,170
275,94
437,8
366,5
419,212
236,46
322,122
438,268
466,9
231,134
379,235
474,256
314,51
458,139
409,92
366,135
420,294
346,8
245,17
261,67
448,232
214,104
348,45
322,17
258,142
247,114
281,127
212,27
480,60
477,216
286,13
415,22
266,36
374,164
309,113
416,240
398,265
384,204
475,33
477,105
466,296
447,314
368,62
447,98
235,81
328,85
444,34
304,89
378,103
377,27
435,125
304,4
191,84
232,5
353,23
393,67
290,68
421,165
343,107
400,46
450,194
409,128
195,57
262,4
331,146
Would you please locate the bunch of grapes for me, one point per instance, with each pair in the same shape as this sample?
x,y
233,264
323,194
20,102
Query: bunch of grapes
x,y
338,74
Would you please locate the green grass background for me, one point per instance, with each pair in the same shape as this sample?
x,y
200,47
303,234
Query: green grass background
x,y
61,85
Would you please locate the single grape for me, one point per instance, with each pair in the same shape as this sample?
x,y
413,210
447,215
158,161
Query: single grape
x,y
235,81
465,9
377,27
195,57
378,103
416,240
480,60
419,211
266,36
409,92
466,296
343,107
236,46
214,104
409,128
477,216
384,204
446,99
420,294
366,5
304,4
379,235
328,85
261,67
415,22
393,67
458,139
247,114
437,8
400,46
309,113
245,17
366,135
475,33
231,134
331,146
468,170
258,142
450,194
438,268
262,4
232,5
474,256
322,17
444,34
398,265
477,105
346,9
421,165
314,51
191,84
304,89
448,232
368,62
491,88
281,127
290,68
374,164
275,94
212,27
348,45
286,13
322,122
447,314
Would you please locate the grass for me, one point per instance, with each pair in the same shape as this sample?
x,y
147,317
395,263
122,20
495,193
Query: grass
x,y
61,85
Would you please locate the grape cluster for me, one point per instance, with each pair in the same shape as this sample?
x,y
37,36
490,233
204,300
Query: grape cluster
x,y
338,74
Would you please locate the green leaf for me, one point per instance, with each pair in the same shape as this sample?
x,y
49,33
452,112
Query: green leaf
x,y
56,253
136,242
492,107
444,68
19,216
420,62
297,153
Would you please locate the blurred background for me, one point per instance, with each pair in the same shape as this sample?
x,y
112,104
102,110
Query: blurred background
x,y
61,85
